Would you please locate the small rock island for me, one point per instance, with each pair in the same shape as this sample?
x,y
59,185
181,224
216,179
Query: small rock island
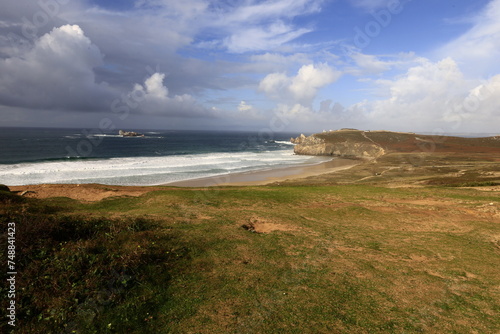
x,y
130,134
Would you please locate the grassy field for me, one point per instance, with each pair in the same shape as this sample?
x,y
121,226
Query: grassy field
x,y
327,256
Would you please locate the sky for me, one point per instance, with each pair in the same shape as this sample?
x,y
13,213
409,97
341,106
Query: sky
x,y
250,65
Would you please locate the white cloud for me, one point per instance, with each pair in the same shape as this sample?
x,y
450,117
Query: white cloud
x,y
310,79
428,81
245,114
275,85
186,9
153,28
336,109
244,107
301,88
422,95
479,48
360,64
481,106
254,11
274,62
256,25
294,111
154,86
369,64
57,72
435,96
306,119
278,59
262,37
153,98
239,27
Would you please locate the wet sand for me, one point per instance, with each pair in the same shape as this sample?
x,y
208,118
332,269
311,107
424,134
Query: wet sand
x,y
263,177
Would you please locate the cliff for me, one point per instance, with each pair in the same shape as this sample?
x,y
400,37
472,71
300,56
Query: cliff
x,y
342,143
350,143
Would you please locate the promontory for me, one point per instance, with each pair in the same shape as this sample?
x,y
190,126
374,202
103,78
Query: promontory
x,y
351,143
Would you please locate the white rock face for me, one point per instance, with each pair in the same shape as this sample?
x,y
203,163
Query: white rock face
x,y
314,145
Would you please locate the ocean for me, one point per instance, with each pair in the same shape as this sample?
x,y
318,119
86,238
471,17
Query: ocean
x,y
36,156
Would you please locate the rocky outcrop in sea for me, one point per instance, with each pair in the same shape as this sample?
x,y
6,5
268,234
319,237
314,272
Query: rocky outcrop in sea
x,y
130,134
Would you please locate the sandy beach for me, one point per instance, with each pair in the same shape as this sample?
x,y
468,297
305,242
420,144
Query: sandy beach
x,y
263,177
97,192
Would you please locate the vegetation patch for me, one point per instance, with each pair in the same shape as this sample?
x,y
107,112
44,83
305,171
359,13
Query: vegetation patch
x,y
81,274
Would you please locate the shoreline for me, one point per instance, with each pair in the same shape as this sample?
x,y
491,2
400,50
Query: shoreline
x,y
91,192
268,176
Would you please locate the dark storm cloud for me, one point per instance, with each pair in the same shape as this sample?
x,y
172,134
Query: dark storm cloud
x,y
100,58
57,72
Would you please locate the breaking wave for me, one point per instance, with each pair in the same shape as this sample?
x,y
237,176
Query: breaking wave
x,y
146,170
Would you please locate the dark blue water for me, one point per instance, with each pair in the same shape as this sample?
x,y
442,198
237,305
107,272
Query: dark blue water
x,y
30,156
28,144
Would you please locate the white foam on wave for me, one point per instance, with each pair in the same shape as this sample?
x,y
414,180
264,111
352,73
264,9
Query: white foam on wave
x,y
284,142
106,135
145,170
126,137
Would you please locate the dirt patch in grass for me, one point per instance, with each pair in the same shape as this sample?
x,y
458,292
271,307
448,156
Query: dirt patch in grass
x,y
257,225
80,192
425,202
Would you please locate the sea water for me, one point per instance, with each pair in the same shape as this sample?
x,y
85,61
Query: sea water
x,y
35,156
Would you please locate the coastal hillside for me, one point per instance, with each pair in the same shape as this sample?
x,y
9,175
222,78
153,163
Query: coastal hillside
x,y
352,258
350,143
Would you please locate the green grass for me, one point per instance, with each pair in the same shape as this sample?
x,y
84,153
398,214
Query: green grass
x,y
477,184
346,259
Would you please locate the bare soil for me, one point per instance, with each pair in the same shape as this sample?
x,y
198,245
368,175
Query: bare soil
x,y
80,192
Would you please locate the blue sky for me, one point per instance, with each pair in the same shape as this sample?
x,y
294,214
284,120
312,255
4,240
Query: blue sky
x,y
276,65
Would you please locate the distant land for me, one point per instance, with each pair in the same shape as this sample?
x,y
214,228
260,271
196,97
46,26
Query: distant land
x,y
406,159
372,144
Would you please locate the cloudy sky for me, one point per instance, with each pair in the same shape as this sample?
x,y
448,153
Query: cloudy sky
x,y
283,65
